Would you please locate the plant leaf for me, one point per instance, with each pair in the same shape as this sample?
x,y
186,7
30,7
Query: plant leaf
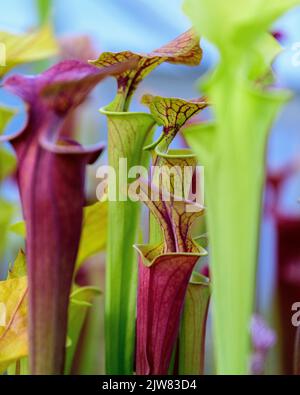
x,y
172,114
14,316
6,114
7,163
234,26
174,219
20,367
164,272
6,213
19,228
193,326
81,299
128,133
29,47
18,269
184,49
232,150
44,9
13,335
92,241
7,160
161,291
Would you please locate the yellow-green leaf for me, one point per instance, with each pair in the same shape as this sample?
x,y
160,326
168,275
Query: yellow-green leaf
x,y
7,159
7,163
232,149
6,115
18,269
93,236
193,326
184,49
18,228
28,47
6,213
13,334
14,313
81,300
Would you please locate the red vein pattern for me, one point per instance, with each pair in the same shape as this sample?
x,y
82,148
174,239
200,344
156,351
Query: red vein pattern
x,y
173,113
165,268
184,49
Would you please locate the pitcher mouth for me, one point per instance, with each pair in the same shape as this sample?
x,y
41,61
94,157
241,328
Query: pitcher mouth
x,y
106,111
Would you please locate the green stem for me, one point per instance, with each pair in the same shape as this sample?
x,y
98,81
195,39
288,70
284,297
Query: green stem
x,y
128,133
193,326
233,153
44,10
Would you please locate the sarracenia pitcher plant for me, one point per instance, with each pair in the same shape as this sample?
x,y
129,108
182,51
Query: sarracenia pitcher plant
x,y
165,268
232,149
51,173
18,49
128,133
193,326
